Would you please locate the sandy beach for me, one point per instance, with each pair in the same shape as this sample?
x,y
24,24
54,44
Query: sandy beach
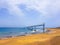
x,y
51,38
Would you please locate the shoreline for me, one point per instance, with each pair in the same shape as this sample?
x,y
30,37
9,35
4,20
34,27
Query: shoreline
x,y
26,34
7,37
52,38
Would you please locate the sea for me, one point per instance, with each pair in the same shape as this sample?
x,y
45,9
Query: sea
x,y
15,31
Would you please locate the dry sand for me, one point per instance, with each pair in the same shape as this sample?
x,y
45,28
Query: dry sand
x,y
52,38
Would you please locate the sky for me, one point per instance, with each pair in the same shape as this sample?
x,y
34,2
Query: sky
x,y
20,13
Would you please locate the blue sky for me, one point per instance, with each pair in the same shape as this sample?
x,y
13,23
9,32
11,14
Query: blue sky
x,y
20,13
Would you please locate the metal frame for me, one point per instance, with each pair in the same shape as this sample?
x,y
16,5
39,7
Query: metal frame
x,y
34,27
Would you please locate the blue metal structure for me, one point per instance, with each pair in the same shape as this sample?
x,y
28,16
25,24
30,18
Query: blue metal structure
x,y
35,27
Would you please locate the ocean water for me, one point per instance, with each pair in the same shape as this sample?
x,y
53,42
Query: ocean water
x,y
6,32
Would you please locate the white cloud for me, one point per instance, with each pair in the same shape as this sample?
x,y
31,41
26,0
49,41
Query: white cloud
x,y
44,6
48,8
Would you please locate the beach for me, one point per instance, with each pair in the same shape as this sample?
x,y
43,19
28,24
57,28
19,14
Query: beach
x,y
48,38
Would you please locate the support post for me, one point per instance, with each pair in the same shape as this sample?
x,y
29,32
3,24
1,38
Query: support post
x,y
43,28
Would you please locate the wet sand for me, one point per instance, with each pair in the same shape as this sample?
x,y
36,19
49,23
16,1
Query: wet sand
x,y
51,38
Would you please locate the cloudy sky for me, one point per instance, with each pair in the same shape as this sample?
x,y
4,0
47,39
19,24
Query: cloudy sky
x,y
17,13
